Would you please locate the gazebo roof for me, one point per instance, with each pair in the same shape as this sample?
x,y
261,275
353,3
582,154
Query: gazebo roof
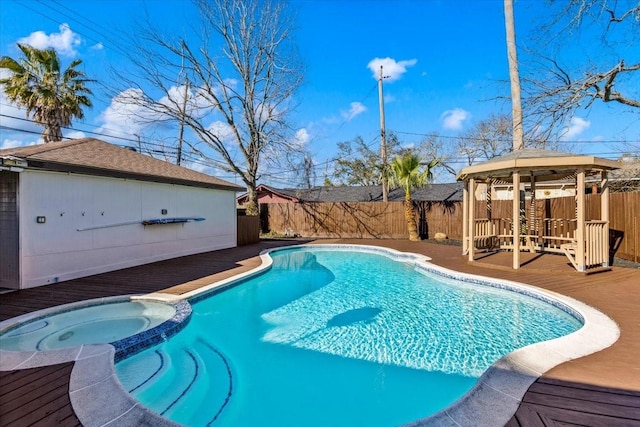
x,y
543,164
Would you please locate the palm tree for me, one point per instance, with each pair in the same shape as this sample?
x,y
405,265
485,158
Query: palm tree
x,y
37,85
406,173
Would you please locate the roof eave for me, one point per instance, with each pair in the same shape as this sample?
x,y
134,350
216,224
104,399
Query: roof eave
x,y
562,163
86,170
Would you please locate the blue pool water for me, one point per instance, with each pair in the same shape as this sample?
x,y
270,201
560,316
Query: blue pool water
x,y
335,338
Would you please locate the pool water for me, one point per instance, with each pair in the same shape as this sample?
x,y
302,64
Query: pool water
x,y
96,324
330,337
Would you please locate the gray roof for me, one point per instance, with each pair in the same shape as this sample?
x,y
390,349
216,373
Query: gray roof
x,y
544,164
529,153
451,192
94,157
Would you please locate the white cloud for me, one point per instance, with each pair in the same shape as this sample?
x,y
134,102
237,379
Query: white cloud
x,y
392,70
454,119
97,46
63,42
75,134
356,108
123,117
13,143
301,138
575,128
221,129
199,167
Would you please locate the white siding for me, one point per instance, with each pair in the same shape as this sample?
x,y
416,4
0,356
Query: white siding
x,y
57,250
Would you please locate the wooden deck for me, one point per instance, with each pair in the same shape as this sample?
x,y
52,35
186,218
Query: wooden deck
x,y
602,389
37,397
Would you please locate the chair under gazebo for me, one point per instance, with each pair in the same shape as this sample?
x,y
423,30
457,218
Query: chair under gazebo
x,y
584,241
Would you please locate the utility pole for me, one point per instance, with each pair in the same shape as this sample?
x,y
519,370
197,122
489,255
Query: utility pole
x,y
183,112
383,142
139,143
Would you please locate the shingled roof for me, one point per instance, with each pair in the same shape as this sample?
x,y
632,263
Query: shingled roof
x,y
95,157
451,192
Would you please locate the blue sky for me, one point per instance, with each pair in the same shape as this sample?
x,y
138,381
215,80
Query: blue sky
x,y
446,60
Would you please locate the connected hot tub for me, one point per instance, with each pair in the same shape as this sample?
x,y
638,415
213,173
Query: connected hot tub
x,y
115,322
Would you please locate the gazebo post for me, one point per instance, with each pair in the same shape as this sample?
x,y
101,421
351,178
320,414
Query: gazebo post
x,y
580,219
604,213
532,206
516,220
465,218
472,219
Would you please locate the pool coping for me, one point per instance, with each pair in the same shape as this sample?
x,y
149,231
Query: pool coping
x,y
99,399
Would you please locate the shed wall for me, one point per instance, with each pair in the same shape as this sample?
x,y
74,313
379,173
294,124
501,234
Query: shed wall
x,y
94,224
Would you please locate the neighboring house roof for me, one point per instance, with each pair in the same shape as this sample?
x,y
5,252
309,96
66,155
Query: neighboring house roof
x,y
451,192
94,157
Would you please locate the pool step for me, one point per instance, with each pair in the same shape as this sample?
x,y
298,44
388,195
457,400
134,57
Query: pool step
x,y
210,393
138,373
164,390
161,380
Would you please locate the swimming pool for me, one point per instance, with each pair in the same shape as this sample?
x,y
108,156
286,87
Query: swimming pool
x,y
337,336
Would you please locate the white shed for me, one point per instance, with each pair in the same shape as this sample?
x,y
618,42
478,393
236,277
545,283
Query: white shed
x,y
71,209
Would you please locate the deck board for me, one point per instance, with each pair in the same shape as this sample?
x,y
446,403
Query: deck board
x,y
37,397
602,389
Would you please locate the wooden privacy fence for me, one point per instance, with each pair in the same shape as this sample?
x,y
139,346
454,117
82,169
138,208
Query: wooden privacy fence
x,y
379,220
248,230
356,220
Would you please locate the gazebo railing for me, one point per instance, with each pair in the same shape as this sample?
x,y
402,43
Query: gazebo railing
x,y
556,232
548,235
597,243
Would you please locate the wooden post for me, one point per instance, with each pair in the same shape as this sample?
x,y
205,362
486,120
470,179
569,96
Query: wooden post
x,y
580,220
465,218
472,217
532,207
489,201
604,215
516,220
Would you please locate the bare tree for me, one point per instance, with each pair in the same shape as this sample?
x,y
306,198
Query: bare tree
x,y
487,139
432,146
242,74
610,72
308,172
492,138
358,164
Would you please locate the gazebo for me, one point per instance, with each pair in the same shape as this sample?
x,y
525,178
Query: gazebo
x,y
584,242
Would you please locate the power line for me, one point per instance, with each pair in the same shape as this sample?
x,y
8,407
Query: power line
x,y
115,45
560,141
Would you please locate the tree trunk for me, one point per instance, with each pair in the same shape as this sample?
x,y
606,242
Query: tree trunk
x,y
51,133
410,216
252,204
516,102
